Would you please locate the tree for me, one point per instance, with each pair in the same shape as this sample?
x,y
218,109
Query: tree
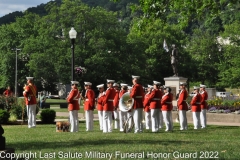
x,y
204,50
230,72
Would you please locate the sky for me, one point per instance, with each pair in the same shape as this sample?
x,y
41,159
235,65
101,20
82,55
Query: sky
x,y
9,6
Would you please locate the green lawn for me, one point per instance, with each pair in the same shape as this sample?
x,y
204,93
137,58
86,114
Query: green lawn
x,y
215,142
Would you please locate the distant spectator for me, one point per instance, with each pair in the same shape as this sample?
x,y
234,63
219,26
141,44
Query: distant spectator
x,y
8,92
42,100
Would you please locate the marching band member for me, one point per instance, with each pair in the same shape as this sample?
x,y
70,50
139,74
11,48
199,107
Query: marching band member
x,y
137,94
73,106
89,105
122,115
155,105
100,104
160,114
147,107
167,107
182,106
196,108
204,107
29,93
115,105
108,107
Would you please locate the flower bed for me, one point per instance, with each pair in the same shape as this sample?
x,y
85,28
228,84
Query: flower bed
x,y
224,105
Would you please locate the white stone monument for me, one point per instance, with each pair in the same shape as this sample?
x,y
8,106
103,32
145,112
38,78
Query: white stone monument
x,y
174,82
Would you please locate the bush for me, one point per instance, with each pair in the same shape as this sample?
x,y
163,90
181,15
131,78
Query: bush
x,y
17,110
48,115
4,115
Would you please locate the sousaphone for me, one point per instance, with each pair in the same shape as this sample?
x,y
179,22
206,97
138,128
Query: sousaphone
x,y
126,102
125,105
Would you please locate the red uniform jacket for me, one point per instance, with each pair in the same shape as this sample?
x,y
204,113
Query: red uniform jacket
x,y
121,93
146,103
30,94
72,100
89,100
204,95
155,99
100,101
138,95
166,102
108,99
182,104
8,93
196,101
116,99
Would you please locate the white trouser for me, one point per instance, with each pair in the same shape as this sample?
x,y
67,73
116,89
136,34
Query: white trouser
x,y
155,119
183,119
148,120
137,118
167,116
74,120
116,119
107,121
100,118
31,113
203,118
89,120
196,120
160,119
122,119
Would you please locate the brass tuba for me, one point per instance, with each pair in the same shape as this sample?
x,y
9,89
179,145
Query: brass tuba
x,y
126,102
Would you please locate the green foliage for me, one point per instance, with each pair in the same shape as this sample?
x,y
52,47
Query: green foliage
x,y
4,115
17,110
48,115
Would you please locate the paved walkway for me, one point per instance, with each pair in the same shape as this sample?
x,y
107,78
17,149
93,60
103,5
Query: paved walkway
x,y
81,118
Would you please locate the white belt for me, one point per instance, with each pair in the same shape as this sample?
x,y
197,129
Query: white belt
x,y
168,102
138,97
156,99
86,99
198,102
110,99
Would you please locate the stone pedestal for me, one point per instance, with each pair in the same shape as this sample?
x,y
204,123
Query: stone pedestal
x,y
174,83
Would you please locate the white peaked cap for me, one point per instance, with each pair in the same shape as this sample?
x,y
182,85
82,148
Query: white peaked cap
x,y
202,86
195,87
87,83
123,84
166,86
110,81
115,85
100,86
29,78
183,83
156,82
74,82
137,77
150,86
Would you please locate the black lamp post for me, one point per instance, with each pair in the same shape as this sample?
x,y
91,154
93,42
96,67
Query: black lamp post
x,y
72,35
16,69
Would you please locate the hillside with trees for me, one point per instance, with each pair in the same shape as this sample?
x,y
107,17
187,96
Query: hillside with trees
x,y
119,43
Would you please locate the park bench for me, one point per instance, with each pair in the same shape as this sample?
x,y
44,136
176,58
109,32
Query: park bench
x,y
62,104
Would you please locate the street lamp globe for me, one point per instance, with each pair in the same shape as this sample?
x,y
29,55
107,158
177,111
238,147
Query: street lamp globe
x,y
72,33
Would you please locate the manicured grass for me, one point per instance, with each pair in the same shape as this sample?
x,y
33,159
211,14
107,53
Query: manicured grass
x,y
215,141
